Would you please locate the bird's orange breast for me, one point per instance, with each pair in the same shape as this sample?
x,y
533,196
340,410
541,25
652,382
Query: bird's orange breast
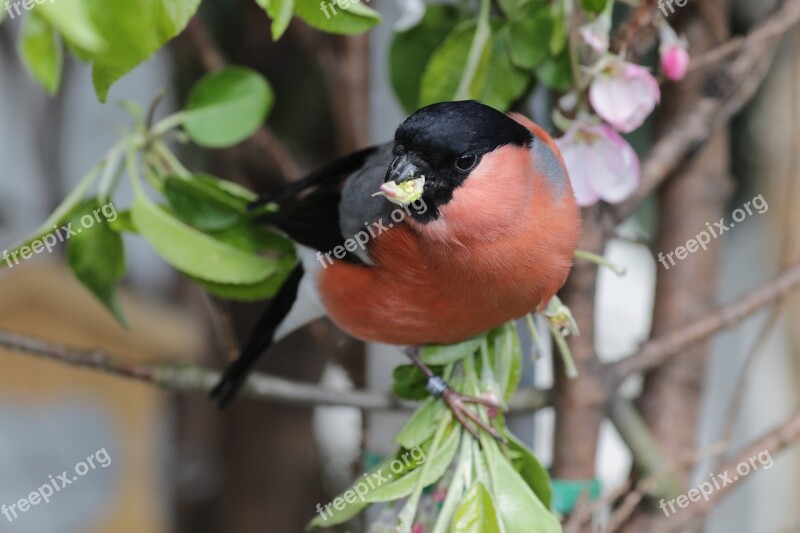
x,y
501,248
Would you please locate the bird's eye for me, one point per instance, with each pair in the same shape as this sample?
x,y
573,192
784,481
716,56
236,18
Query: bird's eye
x,y
466,161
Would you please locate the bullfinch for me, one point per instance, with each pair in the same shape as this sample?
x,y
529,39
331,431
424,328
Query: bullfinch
x,y
474,225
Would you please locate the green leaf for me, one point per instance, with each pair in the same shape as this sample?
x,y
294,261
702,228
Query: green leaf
x,y
405,519
477,513
556,73
196,253
507,359
519,507
331,516
529,35
251,238
255,239
201,204
439,462
594,6
347,17
133,30
458,483
411,50
226,107
561,22
370,481
41,53
421,425
97,257
280,11
73,20
123,223
510,7
504,81
225,192
442,76
497,81
255,291
444,354
409,382
531,470
235,190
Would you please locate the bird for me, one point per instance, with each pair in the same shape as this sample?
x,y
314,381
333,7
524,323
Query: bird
x,y
465,221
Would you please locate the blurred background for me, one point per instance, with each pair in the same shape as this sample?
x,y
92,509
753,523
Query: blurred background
x,y
178,464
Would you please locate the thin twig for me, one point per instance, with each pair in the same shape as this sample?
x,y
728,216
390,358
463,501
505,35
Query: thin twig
x,y
776,28
658,350
634,494
788,255
787,434
222,323
189,378
644,486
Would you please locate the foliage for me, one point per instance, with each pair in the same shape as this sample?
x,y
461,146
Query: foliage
x,y
454,54
490,486
202,225
198,223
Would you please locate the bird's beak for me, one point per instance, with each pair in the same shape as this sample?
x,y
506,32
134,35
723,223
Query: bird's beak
x,y
401,169
403,183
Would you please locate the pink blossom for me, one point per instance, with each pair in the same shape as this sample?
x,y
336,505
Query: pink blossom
x,y
623,94
439,495
601,164
674,53
418,529
674,63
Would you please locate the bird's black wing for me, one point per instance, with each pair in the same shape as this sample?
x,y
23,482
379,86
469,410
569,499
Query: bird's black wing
x,y
313,220
235,375
331,173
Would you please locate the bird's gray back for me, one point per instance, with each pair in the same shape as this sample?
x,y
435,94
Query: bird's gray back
x,y
358,208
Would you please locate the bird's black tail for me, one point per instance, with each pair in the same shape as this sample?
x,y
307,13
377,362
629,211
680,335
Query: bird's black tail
x,y
235,375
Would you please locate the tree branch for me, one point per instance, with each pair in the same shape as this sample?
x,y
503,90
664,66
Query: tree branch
x,y
656,351
785,435
189,378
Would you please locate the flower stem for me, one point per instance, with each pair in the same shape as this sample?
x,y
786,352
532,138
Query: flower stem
x,y
476,50
600,260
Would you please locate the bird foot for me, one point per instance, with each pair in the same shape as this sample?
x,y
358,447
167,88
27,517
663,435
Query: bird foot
x,y
458,405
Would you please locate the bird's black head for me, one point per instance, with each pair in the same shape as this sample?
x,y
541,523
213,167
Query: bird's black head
x,y
444,142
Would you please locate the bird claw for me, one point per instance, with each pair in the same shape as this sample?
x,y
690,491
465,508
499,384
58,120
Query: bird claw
x,y
457,404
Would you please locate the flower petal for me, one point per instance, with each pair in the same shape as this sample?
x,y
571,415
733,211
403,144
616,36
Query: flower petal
x,y
575,155
617,167
624,94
